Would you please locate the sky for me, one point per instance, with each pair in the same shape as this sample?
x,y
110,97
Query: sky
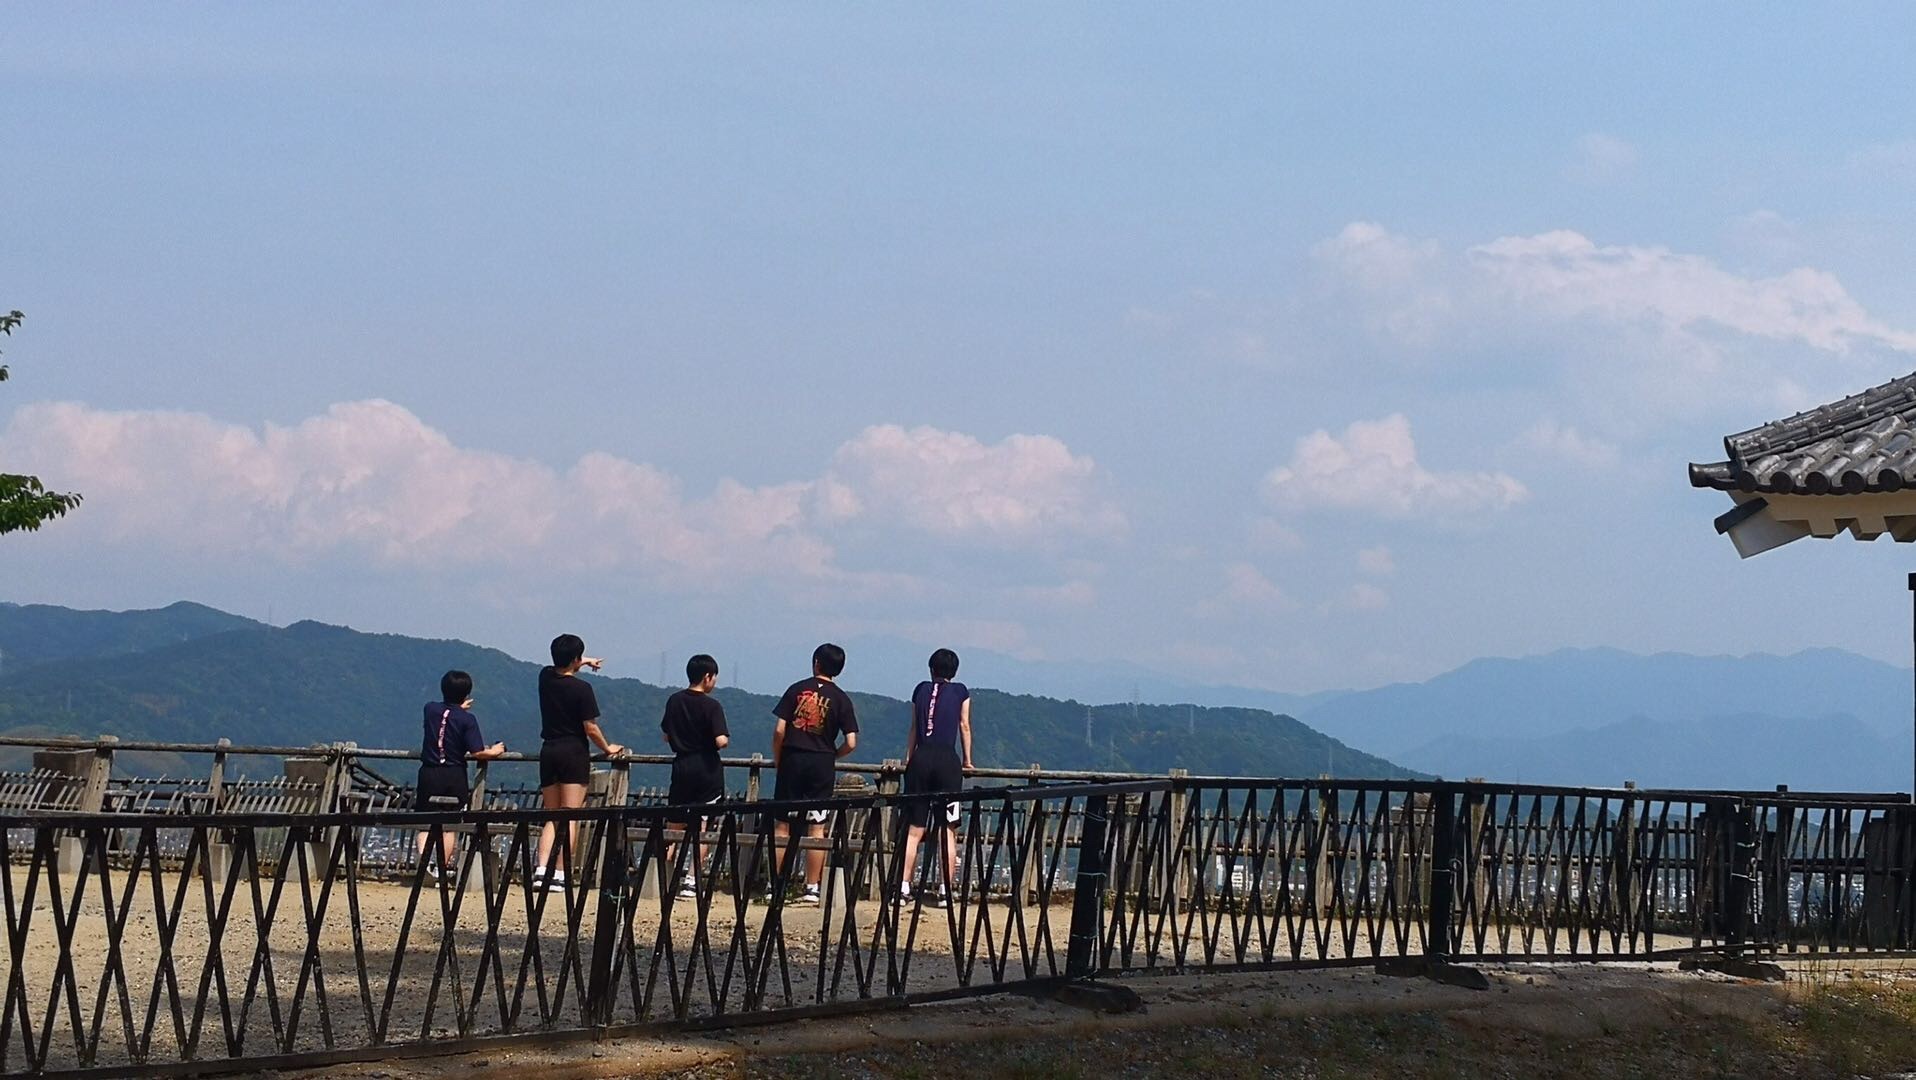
x,y
1284,349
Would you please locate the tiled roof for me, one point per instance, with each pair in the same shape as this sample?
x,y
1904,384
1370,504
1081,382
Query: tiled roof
x,y
1865,442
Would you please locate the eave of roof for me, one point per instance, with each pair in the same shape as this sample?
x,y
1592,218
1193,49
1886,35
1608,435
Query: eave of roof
x,y
1864,443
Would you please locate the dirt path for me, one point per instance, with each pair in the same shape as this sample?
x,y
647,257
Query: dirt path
x,y
1249,1024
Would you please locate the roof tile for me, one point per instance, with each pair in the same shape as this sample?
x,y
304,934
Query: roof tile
x,y
1865,442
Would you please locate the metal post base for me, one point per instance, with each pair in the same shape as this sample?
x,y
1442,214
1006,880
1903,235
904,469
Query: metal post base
x,y
1736,966
1424,967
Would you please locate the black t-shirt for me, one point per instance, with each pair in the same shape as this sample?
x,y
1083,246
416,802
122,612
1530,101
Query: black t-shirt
x,y
566,703
815,711
693,722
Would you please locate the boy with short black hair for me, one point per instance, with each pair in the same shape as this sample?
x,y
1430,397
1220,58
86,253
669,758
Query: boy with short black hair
x,y
451,739
694,727
805,750
568,725
937,756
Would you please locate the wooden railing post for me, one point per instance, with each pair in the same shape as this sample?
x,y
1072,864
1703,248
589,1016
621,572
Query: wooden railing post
x,y
93,772
1476,848
334,789
1034,860
1176,887
1323,864
480,838
478,799
1623,863
606,788
219,848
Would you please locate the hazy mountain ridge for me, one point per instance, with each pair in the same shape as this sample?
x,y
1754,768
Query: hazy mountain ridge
x,y
311,682
1750,752
1819,718
42,633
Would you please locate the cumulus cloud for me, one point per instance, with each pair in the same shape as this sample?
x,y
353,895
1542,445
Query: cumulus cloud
x,y
1568,274
1548,438
1360,597
1602,159
1415,291
951,484
1376,561
1373,468
371,480
1245,592
1886,160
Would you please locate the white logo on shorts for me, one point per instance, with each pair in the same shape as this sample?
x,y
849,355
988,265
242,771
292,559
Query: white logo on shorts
x,y
817,817
953,812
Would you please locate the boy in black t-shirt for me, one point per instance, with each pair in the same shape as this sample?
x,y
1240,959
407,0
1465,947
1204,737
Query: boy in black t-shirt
x,y
694,727
805,750
568,724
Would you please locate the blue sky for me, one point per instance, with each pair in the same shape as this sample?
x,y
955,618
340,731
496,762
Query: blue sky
x,y
1279,349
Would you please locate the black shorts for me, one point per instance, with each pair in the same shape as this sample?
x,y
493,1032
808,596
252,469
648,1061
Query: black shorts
x,y
934,770
806,774
697,779
442,780
565,761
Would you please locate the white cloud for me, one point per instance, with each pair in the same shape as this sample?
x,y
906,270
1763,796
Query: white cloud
x,y
1419,295
1367,597
1270,534
1405,273
1566,274
1363,596
1636,335
1373,468
1376,561
370,480
1602,159
1895,160
1549,438
951,484
1245,591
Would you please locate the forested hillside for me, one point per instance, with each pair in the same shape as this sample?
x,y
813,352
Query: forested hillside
x,y
311,683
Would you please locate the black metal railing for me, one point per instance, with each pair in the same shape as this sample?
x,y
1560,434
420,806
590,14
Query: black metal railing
x,y
199,942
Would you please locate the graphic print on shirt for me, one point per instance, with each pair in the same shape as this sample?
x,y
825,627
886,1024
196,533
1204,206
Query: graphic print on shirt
x,y
809,712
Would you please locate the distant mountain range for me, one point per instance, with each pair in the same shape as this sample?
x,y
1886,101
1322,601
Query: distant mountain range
x,y
1817,719
193,674
886,661
1821,718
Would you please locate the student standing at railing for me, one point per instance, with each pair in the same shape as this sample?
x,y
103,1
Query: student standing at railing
x,y
805,751
452,739
694,727
568,718
934,765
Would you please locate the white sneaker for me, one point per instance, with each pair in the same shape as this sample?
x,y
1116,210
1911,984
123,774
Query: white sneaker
x,y
904,895
687,890
555,881
810,896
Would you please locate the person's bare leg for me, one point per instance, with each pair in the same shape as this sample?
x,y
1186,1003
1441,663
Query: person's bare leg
x,y
950,844
913,836
814,860
550,798
571,797
781,830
